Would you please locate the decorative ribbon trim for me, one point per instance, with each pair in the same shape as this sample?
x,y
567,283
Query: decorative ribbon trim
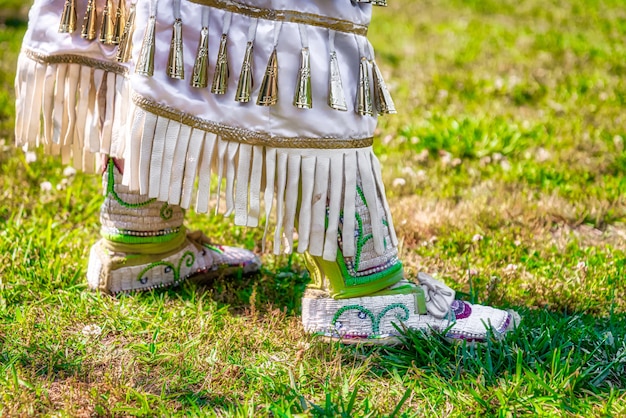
x,y
291,16
108,66
245,136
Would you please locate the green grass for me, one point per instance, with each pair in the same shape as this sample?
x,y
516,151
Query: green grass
x,y
505,173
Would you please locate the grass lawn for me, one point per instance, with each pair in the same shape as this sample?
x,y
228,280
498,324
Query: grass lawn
x,y
505,172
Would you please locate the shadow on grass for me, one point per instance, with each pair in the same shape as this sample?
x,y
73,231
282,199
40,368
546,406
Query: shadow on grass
x,y
273,287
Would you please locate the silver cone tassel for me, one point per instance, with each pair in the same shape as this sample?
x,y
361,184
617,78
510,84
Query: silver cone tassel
x,y
382,97
200,76
220,78
268,96
303,98
68,17
145,65
364,94
125,48
336,96
107,31
244,87
120,22
175,62
88,30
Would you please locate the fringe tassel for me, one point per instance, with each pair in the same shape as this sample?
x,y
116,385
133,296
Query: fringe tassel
x,y
349,206
318,206
304,221
132,155
191,166
156,157
281,182
81,111
48,103
178,165
58,108
270,175
32,122
171,142
381,190
369,190
254,211
221,152
243,183
109,112
20,101
71,88
334,206
292,192
203,196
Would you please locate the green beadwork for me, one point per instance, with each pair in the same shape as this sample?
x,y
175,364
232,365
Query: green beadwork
x,y
188,258
166,212
376,319
111,189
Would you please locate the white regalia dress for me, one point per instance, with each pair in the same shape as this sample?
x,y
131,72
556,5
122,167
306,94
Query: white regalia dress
x,y
278,98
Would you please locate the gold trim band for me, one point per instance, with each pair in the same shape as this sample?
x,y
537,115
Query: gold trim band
x,y
245,136
76,59
286,16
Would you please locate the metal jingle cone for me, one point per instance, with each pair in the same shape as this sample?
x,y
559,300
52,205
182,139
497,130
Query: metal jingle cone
x,y
382,97
303,98
89,23
175,61
220,78
268,96
68,17
107,30
380,3
145,63
120,22
200,76
364,94
336,96
244,86
126,40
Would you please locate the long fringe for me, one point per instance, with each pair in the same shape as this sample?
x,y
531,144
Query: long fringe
x,y
78,112
72,110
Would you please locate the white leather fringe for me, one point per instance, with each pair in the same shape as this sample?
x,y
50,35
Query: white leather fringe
x,y
304,190
78,112
72,110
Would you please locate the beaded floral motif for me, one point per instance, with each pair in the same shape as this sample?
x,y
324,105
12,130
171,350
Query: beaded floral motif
x,y
364,313
461,309
188,258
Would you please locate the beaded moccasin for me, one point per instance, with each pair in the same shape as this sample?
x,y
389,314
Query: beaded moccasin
x,y
116,272
379,318
145,246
